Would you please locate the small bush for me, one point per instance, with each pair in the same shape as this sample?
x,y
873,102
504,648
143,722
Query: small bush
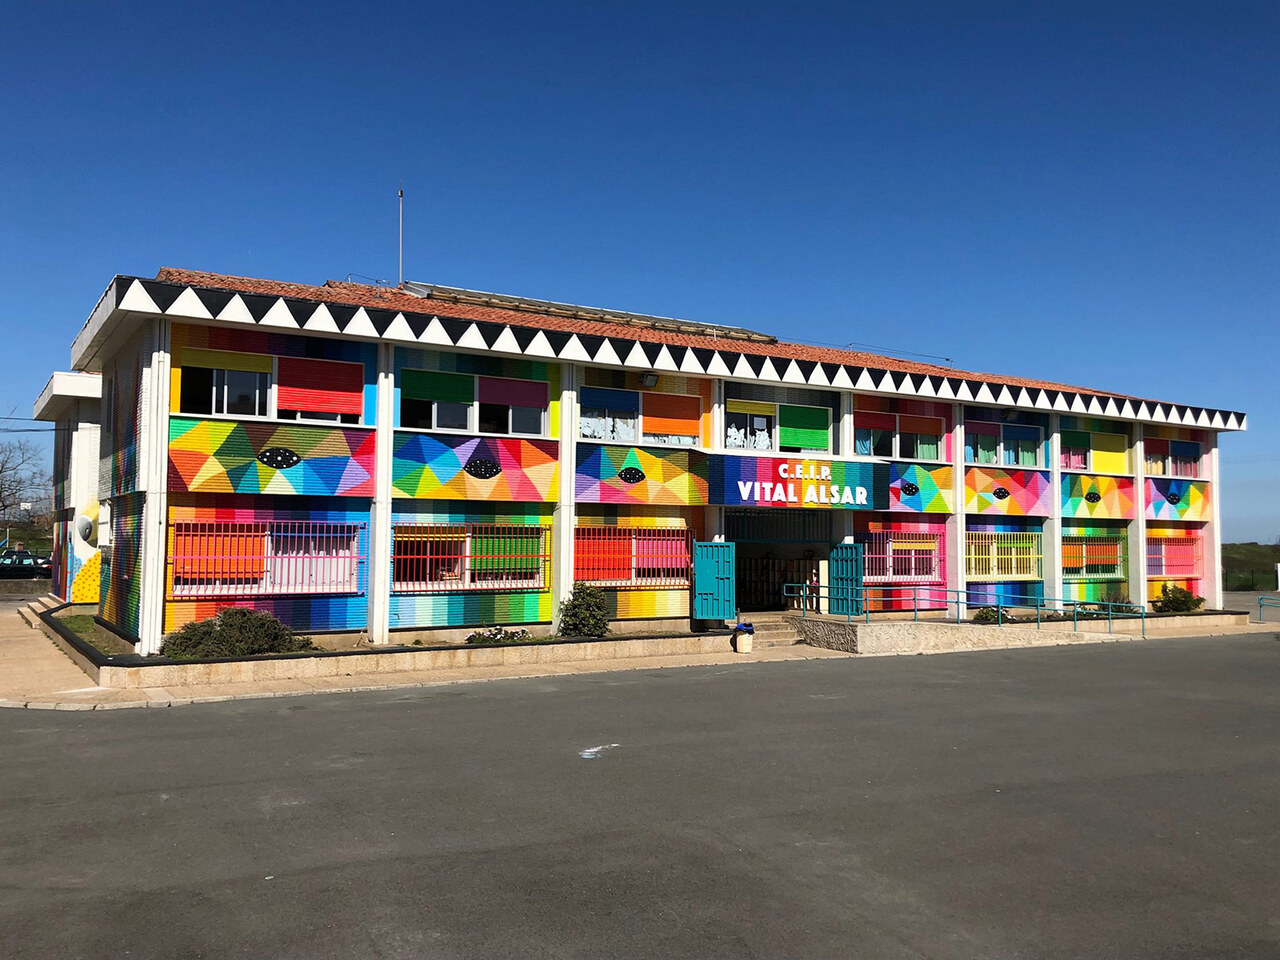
x,y
234,632
1176,600
992,615
585,613
499,635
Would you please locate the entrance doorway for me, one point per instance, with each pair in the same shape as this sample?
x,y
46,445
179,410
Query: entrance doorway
x,y
776,547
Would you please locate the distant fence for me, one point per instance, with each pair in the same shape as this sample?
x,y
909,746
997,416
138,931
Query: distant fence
x,y
1249,580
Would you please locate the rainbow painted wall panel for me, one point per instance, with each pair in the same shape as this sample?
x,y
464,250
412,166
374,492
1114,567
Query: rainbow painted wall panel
x,y
1017,493
645,603
640,475
799,482
339,611
224,456
474,608
451,467
1097,497
919,488
347,611
1173,498
121,593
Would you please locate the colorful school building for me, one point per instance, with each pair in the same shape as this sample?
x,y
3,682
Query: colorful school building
x,y
362,458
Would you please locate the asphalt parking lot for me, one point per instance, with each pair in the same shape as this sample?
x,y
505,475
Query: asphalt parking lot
x,y
1116,800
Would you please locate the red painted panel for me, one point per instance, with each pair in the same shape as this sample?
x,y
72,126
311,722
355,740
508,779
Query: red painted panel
x,y
326,386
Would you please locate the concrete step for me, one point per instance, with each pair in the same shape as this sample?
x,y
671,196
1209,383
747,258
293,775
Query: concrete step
x,y
47,602
29,614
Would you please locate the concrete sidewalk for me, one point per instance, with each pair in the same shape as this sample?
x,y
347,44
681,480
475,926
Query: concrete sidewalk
x,y
35,674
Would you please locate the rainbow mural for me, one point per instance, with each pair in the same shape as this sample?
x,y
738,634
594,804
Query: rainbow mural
x,y
121,594
222,456
1097,497
346,611
447,467
638,475
1172,498
1015,493
916,488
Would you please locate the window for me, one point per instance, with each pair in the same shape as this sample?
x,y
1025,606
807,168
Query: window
x,y
319,390
230,392
264,558
431,557
671,418
1184,458
1094,558
1175,558
1003,556
748,431
1021,446
892,436
1009,444
456,401
1074,450
1177,458
892,557
609,414
803,429
632,556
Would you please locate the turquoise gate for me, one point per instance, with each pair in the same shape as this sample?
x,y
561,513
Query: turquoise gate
x,y
713,583
846,571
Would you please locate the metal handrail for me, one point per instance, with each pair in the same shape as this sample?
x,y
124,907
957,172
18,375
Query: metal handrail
x,y
1263,603
816,593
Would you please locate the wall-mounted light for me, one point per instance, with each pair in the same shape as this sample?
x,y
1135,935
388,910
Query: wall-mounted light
x,y
648,379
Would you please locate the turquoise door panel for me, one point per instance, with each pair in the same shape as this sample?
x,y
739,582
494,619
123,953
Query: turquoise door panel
x,y
713,584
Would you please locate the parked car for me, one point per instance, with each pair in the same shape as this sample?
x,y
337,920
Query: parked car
x,y
27,567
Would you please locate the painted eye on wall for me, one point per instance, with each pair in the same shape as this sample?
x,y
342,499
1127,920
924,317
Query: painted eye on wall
x,y
909,489
1093,496
1174,498
630,474
482,468
279,458
1000,493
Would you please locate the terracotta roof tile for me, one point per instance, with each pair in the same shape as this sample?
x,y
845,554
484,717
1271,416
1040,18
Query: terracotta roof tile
x,y
389,298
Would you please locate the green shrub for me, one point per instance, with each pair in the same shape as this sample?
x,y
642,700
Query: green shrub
x,y
1176,600
499,635
234,632
585,613
992,615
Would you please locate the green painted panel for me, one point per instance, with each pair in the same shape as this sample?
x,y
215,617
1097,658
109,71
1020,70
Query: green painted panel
x,y
449,387
805,427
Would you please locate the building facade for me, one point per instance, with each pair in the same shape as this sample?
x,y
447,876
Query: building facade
x,y
358,458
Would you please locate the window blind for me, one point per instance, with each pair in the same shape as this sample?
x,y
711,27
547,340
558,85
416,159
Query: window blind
x,y
673,414
805,427
447,387
598,398
319,385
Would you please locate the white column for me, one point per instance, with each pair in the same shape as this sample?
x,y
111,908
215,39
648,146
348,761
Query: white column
x,y
956,579
153,482
1212,582
713,516
1052,539
842,522
1138,526
564,516
380,532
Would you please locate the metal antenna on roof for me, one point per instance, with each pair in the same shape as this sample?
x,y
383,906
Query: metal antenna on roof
x,y
400,281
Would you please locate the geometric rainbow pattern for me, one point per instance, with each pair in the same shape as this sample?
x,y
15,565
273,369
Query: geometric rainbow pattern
x,y
640,476
428,467
1014,493
916,488
218,456
1172,498
1103,498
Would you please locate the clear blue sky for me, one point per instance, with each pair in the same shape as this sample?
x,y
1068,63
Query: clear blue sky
x,y
1086,194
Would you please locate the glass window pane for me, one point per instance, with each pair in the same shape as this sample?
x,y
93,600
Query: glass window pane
x,y
415,414
495,418
862,442
196,393
927,445
243,397
735,431
450,415
882,443
526,420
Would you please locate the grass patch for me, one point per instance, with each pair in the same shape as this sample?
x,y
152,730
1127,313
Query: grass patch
x,y
104,641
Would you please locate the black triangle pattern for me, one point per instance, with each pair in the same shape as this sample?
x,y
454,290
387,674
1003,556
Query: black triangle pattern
x,y
215,301
162,293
